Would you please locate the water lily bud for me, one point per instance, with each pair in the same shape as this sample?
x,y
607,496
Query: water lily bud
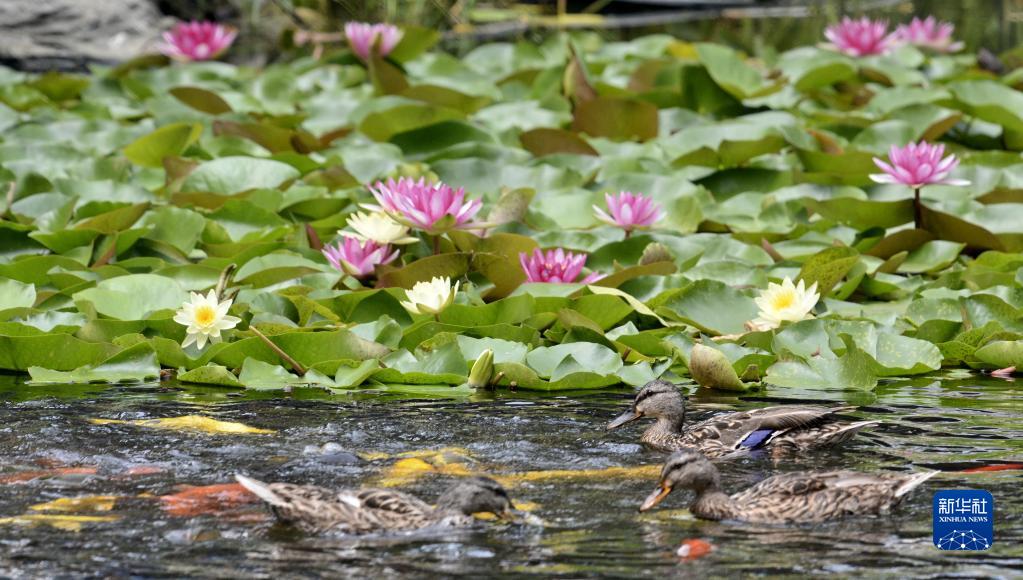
x,y
656,253
711,368
431,297
482,370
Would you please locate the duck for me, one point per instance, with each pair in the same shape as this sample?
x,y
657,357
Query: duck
x,y
780,429
798,497
318,510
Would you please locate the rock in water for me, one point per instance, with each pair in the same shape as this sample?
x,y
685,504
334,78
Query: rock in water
x,y
69,35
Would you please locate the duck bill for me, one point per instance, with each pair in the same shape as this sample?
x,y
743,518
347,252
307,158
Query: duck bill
x,y
507,515
655,497
626,417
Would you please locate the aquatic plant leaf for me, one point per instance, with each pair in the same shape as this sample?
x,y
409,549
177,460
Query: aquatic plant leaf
x,y
308,348
133,364
710,306
990,101
931,257
710,368
201,100
211,375
547,141
15,294
849,371
167,141
348,376
133,297
415,40
616,118
61,352
256,374
810,68
555,362
732,74
227,175
828,267
1001,354
383,125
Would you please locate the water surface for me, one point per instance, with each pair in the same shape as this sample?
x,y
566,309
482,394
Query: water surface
x,y
590,524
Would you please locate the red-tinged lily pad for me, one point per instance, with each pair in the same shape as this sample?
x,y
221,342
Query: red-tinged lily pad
x,y
207,500
26,476
994,467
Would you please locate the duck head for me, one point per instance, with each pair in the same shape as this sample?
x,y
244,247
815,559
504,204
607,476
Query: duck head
x,y
686,469
476,495
657,399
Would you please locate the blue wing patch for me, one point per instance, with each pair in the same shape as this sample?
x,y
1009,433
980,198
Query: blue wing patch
x,y
756,438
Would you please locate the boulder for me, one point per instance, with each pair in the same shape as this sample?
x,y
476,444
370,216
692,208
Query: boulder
x,y
69,35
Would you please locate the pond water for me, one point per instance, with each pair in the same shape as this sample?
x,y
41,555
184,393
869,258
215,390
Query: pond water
x,y
590,525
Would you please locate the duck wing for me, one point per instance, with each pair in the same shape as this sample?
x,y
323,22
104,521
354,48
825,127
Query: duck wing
x,y
820,496
758,426
389,501
309,507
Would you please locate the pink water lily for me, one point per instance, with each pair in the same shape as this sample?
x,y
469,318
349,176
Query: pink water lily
x,y
863,37
555,267
362,36
191,41
917,165
629,211
432,207
358,258
929,33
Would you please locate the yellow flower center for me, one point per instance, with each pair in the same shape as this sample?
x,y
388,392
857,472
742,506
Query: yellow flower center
x,y
783,300
204,315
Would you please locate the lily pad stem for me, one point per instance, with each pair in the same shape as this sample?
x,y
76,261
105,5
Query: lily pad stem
x,y
225,278
917,209
294,364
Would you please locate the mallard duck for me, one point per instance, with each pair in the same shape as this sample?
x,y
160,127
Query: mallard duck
x,y
783,428
786,498
314,509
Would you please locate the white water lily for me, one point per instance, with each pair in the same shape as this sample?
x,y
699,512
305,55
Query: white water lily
x,y
430,297
204,318
785,302
378,227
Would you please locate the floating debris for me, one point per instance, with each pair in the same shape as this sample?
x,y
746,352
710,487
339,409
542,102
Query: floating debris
x,y
693,548
190,423
63,522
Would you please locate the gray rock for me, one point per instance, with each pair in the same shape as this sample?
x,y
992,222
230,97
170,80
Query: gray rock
x,y
68,35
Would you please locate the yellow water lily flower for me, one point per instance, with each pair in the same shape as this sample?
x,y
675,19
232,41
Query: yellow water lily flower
x,y
785,302
431,297
378,227
205,317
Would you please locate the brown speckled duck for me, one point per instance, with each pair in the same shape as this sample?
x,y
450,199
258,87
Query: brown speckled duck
x,y
779,429
786,498
316,510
